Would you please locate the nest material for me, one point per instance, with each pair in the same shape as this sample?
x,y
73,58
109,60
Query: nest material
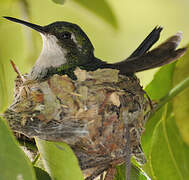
x,y
89,114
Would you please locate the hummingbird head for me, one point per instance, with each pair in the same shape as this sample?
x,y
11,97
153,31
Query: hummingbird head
x,y
65,45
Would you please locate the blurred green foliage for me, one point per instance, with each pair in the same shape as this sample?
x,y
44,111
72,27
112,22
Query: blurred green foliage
x,y
115,28
59,1
100,7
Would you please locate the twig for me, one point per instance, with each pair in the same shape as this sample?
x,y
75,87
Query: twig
x,y
17,70
171,94
20,76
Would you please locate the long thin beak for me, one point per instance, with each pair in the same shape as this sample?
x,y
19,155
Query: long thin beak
x,y
33,26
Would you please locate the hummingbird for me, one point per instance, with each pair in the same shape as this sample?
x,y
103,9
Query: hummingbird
x,y
66,46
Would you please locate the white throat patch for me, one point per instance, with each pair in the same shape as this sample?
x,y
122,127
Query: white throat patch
x,y
52,55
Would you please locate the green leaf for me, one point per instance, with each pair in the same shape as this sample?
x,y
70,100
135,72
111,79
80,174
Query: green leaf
x,y
59,160
101,8
161,83
167,158
136,173
161,141
149,130
41,174
180,102
161,148
59,1
158,88
13,162
174,92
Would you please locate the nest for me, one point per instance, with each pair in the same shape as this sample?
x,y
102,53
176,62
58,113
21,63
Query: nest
x,y
92,114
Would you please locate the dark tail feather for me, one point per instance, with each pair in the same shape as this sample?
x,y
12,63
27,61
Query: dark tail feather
x,y
148,42
161,55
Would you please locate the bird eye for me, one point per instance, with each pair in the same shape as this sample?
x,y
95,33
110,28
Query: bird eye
x,y
66,35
